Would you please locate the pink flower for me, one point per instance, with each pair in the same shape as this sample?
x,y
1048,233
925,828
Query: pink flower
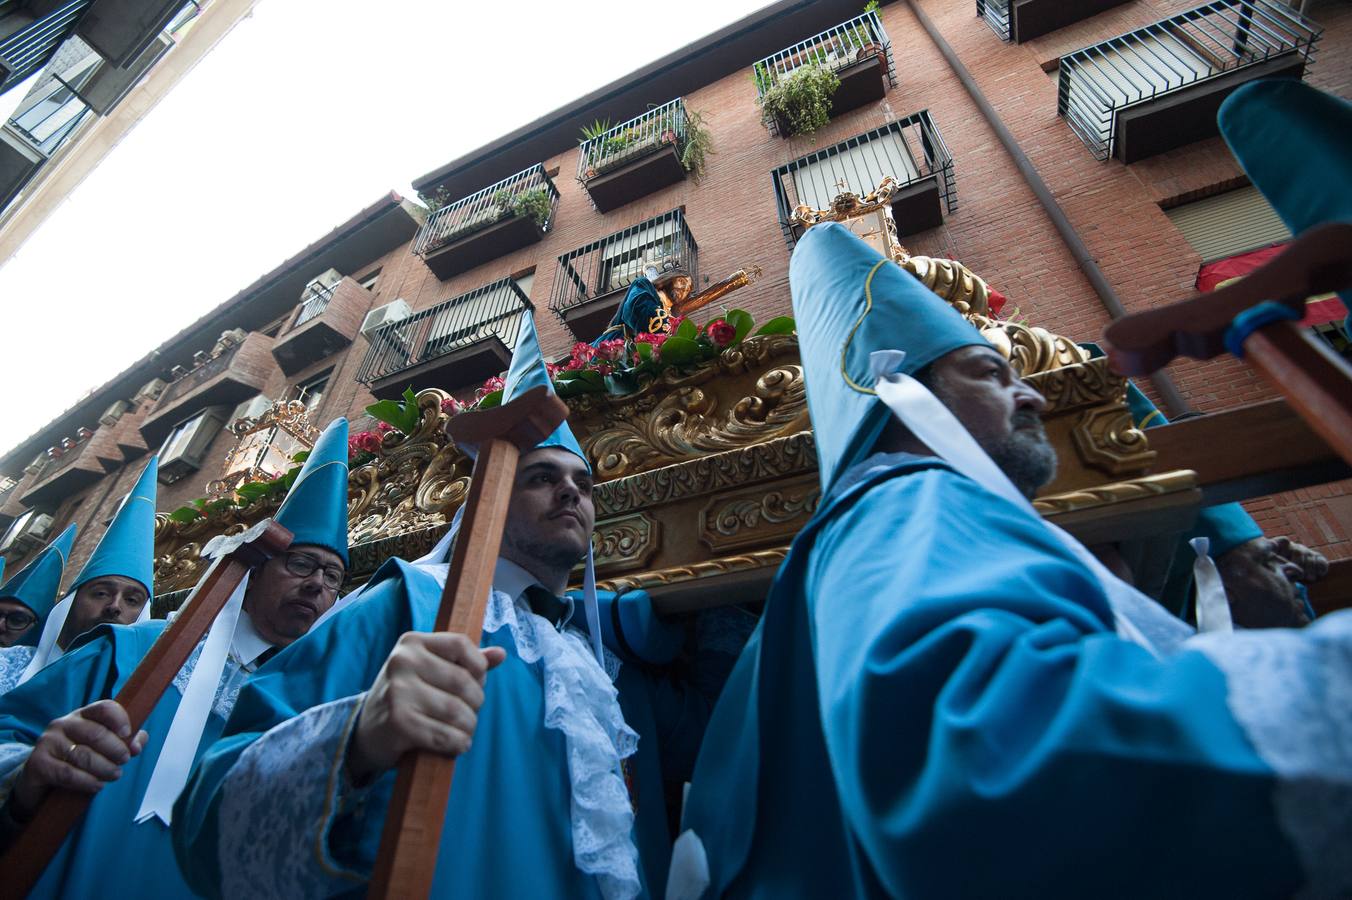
x,y
367,442
583,353
384,428
552,370
612,349
452,406
673,323
603,368
720,332
496,383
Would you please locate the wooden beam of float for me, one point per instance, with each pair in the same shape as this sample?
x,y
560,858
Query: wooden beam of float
x,y
1314,381
233,557
412,834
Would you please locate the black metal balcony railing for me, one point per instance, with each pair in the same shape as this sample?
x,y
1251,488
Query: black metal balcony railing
x,y
996,14
49,121
909,150
628,141
836,48
492,310
28,49
316,301
612,263
1097,82
196,377
527,193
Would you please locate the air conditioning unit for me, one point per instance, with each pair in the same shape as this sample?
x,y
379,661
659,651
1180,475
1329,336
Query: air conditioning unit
x,y
384,315
36,465
251,408
27,532
114,412
322,284
184,450
151,390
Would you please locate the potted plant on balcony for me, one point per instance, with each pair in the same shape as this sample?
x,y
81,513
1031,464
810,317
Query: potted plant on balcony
x,y
799,103
534,204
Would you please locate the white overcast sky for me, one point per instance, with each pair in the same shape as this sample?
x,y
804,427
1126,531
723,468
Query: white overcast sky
x,y
305,113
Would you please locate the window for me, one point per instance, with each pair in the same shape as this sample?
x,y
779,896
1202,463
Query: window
x,y
525,283
626,258
1234,222
474,316
311,392
858,168
183,450
369,281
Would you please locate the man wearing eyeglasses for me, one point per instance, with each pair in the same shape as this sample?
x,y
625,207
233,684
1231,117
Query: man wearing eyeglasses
x,y
137,777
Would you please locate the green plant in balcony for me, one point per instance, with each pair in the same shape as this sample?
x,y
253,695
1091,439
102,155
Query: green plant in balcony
x,y
800,103
534,204
593,131
698,145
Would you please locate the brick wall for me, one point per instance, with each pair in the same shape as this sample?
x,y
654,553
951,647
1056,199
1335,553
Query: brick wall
x,y
998,229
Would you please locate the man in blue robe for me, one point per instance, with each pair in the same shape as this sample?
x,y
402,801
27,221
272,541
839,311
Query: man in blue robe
x,y
558,792
29,595
44,744
949,697
113,587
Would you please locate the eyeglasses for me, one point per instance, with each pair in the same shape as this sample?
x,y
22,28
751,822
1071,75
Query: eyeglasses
x,y
17,620
302,565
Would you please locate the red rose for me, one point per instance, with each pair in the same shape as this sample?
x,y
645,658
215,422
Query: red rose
x,y
384,428
673,323
452,406
720,332
494,384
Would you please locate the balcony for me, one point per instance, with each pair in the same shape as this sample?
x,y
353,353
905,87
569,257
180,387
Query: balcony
x,y
514,213
235,370
858,51
122,30
910,150
1023,20
451,346
635,158
38,128
30,32
591,282
327,320
1159,87
81,464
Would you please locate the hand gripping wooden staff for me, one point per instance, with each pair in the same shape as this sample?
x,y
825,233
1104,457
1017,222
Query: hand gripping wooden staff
x,y
1317,384
412,835
232,557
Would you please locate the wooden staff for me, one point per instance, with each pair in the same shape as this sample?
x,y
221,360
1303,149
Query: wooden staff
x,y
26,859
1316,383
412,836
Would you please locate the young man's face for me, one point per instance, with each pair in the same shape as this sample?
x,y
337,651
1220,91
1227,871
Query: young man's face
x,y
1000,410
551,514
15,620
289,592
110,599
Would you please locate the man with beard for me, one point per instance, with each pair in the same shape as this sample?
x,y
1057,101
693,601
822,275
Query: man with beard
x,y
560,748
949,697
62,729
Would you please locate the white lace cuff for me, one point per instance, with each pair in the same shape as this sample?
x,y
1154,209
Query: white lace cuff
x,y
279,804
13,662
1291,692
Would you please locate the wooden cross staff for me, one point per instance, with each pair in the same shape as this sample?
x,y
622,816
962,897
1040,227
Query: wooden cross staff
x,y
1316,383
23,863
412,835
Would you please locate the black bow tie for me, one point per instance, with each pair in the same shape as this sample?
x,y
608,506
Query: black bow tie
x,y
543,603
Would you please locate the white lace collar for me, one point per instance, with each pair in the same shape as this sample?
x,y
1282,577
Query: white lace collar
x,y
581,702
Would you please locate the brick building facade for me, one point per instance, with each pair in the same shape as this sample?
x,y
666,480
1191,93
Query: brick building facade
x,y
990,217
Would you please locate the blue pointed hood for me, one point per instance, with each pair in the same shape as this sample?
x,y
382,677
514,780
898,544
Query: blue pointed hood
x,y
528,371
848,302
36,584
127,548
315,509
1266,122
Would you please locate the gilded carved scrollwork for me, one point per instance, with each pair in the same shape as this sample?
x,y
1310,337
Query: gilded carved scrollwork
x,y
1117,492
761,559
626,543
683,416
756,516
